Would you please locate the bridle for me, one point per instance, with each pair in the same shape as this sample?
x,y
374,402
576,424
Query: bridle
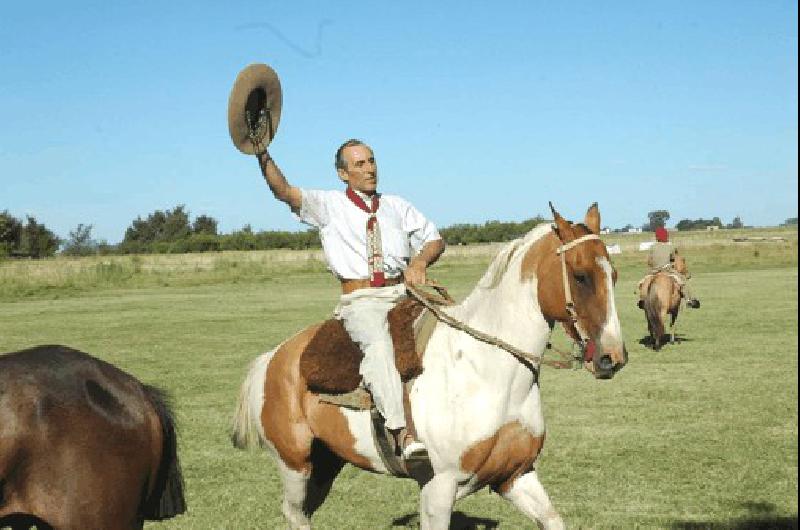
x,y
585,341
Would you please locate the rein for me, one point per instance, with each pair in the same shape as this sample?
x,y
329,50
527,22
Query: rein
x,y
530,359
533,361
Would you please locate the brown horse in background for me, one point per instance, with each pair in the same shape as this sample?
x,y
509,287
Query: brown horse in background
x,y
83,444
663,298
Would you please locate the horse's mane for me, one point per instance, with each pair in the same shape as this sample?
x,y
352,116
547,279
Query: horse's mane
x,y
513,251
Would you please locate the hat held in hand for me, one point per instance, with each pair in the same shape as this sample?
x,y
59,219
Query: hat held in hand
x,y
254,108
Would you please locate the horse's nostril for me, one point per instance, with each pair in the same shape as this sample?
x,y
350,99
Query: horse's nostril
x,y
605,363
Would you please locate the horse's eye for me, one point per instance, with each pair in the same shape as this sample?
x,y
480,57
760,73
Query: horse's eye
x,y
581,279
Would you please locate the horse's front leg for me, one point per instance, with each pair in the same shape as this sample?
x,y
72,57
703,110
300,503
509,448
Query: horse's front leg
x,y
436,502
528,495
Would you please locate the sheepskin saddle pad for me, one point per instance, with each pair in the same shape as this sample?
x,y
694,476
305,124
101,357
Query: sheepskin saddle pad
x,y
330,362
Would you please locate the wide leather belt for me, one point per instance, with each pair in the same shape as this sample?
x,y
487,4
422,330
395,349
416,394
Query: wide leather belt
x,y
348,286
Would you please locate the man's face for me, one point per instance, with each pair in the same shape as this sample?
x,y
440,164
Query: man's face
x,y
360,171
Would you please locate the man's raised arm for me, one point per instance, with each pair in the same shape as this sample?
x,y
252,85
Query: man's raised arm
x,y
280,187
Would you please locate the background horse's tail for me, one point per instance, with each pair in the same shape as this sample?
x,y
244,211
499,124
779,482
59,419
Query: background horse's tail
x,y
247,429
653,309
167,498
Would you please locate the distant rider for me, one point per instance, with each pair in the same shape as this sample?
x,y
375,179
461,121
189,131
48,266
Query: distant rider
x,y
662,259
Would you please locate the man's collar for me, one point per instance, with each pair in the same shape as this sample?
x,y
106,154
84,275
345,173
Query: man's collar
x,y
364,197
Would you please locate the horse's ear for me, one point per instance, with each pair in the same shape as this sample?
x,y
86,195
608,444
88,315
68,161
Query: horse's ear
x,y
592,220
563,228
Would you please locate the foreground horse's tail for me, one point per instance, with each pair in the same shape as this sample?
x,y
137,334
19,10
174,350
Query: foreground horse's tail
x,y
653,310
167,498
247,429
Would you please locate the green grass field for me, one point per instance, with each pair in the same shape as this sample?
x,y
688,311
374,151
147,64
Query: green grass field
x,y
700,435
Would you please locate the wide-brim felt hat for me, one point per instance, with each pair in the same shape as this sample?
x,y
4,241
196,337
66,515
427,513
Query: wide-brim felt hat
x,y
254,104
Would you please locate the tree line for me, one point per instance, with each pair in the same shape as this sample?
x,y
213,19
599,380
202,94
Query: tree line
x,y
174,232
26,238
658,218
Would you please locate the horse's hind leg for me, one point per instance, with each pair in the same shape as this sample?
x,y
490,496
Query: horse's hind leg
x,y
672,331
295,484
652,334
305,490
325,467
528,495
656,332
436,502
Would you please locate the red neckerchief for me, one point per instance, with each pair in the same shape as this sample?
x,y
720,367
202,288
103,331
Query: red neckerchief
x,y
374,250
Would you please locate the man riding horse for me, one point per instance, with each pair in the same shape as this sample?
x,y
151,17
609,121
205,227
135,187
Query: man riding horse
x,y
367,238
373,243
662,259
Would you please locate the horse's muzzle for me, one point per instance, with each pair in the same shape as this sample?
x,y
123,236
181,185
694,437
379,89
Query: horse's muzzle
x,y
604,367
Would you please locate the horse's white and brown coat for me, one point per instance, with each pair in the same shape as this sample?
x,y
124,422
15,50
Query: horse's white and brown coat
x,y
477,408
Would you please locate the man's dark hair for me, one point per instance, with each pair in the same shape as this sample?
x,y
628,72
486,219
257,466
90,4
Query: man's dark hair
x,y
340,163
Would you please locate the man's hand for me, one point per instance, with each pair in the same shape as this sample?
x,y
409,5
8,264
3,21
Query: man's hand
x,y
415,273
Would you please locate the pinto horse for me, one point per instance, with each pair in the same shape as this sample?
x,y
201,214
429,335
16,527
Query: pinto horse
x,y
663,297
476,407
83,444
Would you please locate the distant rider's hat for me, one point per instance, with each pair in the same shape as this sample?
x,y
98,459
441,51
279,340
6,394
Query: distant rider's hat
x,y
662,236
254,105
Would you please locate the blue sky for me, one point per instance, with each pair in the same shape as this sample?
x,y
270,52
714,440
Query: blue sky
x,y
476,110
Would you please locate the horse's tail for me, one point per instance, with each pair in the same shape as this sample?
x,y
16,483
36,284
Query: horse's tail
x,y
166,499
652,308
247,429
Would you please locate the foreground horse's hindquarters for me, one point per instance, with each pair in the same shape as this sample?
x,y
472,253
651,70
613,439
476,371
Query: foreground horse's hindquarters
x,y
476,407
83,444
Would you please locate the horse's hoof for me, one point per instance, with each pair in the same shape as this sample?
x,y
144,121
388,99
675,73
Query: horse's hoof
x,y
640,304
694,303
415,451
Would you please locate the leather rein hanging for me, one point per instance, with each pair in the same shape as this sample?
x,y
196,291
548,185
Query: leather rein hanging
x,y
529,359
533,361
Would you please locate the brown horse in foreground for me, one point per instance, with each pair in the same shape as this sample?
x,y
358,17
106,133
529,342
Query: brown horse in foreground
x,y
664,298
83,445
